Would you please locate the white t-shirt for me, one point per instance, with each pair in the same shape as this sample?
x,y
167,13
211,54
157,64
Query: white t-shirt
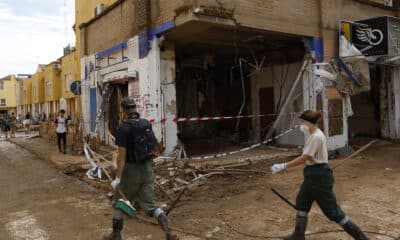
x,y
61,125
316,148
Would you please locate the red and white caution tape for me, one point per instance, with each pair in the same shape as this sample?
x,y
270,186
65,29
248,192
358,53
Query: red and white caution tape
x,y
196,119
220,155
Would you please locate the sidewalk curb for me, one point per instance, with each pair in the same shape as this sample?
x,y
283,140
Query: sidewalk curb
x,y
44,156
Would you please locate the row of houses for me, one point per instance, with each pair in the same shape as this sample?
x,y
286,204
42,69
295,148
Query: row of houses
x,y
46,91
241,57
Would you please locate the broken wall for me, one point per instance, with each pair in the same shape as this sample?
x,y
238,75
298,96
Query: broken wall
x,y
281,79
153,90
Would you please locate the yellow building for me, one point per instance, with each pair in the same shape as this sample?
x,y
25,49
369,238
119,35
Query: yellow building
x,y
52,84
8,100
38,98
69,74
84,11
27,95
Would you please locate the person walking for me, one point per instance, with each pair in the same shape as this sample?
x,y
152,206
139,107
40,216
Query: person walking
x,y
5,124
27,121
135,170
318,181
13,123
61,130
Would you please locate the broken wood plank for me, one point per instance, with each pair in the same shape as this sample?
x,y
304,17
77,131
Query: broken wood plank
x,y
236,170
173,204
354,154
163,190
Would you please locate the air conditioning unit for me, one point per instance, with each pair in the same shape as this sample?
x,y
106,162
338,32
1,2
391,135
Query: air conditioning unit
x,y
99,9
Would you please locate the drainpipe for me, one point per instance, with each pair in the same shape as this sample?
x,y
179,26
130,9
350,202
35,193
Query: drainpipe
x,y
288,98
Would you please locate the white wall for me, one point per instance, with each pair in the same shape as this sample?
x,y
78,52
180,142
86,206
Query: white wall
x,y
152,71
168,97
390,102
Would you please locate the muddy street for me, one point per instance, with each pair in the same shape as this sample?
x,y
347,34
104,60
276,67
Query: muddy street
x,y
40,202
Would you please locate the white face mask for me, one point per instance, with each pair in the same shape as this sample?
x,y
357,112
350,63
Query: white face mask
x,y
304,129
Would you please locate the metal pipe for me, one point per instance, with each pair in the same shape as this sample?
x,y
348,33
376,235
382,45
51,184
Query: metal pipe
x,y
243,94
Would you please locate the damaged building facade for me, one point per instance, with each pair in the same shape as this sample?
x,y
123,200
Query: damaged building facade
x,y
267,59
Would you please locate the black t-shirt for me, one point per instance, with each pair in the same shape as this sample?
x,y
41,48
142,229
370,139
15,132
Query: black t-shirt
x,y
124,137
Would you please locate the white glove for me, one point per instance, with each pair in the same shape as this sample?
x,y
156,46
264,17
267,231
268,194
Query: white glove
x,y
278,167
115,183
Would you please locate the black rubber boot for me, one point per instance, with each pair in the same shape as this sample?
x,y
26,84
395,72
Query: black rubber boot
x,y
116,233
353,230
163,221
299,230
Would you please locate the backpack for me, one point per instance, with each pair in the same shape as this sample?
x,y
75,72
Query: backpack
x,y
143,141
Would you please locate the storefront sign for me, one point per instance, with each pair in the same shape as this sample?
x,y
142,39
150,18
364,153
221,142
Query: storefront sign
x,y
372,38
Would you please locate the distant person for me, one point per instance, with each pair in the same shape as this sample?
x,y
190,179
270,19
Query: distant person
x,y
61,130
19,118
5,124
37,116
27,121
28,115
43,117
13,122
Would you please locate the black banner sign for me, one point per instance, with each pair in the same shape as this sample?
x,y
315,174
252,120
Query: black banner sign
x,y
371,39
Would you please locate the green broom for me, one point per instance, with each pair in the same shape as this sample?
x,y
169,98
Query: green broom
x,y
123,204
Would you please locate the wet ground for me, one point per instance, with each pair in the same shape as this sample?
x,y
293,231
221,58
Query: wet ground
x,y
38,201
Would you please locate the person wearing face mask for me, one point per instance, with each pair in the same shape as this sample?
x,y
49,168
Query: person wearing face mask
x,y
318,181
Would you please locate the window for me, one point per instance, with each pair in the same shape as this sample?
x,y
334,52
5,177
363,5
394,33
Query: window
x,y
3,102
68,82
1,86
49,91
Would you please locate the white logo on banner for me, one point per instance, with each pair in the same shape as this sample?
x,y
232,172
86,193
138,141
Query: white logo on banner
x,y
373,37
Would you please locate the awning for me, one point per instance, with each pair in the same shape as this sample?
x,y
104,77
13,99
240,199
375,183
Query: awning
x,y
120,76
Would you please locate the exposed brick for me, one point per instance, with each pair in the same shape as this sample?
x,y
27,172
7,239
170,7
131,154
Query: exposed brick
x,y
118,25
298,17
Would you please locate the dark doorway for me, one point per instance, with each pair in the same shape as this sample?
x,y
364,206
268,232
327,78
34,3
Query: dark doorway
x,y
267,107
115,112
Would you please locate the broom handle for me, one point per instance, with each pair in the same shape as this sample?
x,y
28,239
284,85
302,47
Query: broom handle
x,y
104,170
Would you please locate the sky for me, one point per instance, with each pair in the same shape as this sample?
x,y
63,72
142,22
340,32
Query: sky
x,y
32,32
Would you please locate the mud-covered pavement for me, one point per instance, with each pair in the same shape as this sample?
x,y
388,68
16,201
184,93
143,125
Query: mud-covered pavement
x,y
40,202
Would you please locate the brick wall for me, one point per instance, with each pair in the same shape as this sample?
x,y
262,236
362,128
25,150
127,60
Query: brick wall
x,y
296,17
144,15
119,24
283,16
300,17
